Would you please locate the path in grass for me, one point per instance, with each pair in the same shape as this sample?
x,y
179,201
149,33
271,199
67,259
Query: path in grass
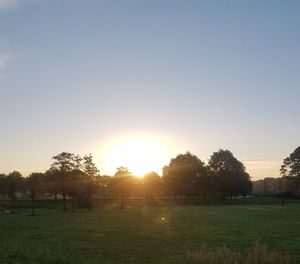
x,y
158,233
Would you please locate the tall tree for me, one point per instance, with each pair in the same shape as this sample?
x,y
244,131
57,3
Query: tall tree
x,y
89,181
152,187
75,180
291,169
3,185
14,185
102,183
51,181
34,184
64,164
230,175
122,184
181,175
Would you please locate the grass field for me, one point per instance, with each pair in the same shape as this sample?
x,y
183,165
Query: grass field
x,y
145,235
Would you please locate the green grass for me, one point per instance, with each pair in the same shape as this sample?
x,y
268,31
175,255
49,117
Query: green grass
x,y
145,235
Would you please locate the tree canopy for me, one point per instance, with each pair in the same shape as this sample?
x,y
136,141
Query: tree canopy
x,y
230,175
291,168
182,174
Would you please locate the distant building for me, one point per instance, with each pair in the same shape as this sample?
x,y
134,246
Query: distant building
x,y
270,186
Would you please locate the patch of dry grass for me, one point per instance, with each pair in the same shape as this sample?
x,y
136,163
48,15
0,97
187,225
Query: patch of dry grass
x,y
256,254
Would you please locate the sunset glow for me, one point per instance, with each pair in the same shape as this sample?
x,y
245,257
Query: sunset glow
x,y
139,153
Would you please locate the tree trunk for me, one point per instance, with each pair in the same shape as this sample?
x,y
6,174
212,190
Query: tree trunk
x,y
12,205
104,196
122,202
223,197
32,206
73,198
64,202
90,201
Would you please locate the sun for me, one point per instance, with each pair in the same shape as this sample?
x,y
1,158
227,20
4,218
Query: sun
x,y
139,153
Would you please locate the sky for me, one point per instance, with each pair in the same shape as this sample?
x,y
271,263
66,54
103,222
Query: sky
x,y
201,75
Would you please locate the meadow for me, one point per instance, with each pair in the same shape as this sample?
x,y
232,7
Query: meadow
x,y
165,234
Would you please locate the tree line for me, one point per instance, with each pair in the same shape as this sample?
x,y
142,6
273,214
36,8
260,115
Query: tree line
x,y
77,180
286,186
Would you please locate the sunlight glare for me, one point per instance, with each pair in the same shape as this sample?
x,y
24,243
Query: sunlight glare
x,y
140,154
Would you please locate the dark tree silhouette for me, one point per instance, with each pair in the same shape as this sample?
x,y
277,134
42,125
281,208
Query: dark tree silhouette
x,y
103,183
3,191
89,181
51,181
183,173
14,182
230,175
152,187
75,178
64,165
34,185
122,184
291,169
185,176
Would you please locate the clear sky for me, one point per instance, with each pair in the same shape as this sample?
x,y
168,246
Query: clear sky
x,y
203,75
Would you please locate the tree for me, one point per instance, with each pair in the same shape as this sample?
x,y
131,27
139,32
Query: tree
x,y
103,182
34,184
291,168
89,181
14,182
121,184
205,184
76,175
229,173
151,186
180,177
64,165
2,185
51,181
